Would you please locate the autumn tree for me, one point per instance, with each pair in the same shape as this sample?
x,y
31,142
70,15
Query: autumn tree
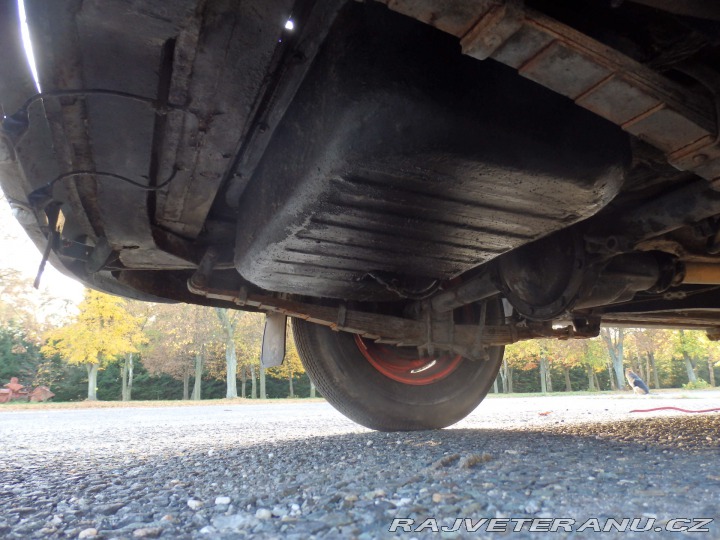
x,y
527,355
16,308
19,328
249,345
690,347
181,337
24,307
568,354
648,342
506,376
142,312
544,363
506,370
713,359
614,339
594,360
102,331
563,354
19,357
228,322
247,331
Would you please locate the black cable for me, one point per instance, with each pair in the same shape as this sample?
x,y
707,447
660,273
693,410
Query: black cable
x,y
44,191
96,91
43,195
138,185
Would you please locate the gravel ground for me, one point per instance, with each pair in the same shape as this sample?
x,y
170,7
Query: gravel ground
x,y
301,470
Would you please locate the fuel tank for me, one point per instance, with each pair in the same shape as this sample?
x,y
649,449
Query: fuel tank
x,y
401,162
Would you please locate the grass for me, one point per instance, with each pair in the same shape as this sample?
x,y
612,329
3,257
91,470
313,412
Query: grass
x,y
21,406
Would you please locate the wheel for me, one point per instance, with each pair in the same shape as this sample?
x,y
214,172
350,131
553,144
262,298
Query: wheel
x,y
390,388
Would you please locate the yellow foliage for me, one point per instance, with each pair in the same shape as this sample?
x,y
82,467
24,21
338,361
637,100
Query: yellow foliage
x,y
570,353
524,354
178,333
103,330
248,337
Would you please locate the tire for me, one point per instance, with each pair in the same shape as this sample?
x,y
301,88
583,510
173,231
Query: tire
x,y
379,396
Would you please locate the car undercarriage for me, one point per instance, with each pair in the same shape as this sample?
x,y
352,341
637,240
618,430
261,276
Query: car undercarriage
x,y
415,183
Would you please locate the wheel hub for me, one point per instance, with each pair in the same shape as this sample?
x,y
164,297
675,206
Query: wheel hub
x,y
402,364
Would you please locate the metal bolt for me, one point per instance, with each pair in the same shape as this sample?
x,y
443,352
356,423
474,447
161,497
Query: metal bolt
x,y
699,159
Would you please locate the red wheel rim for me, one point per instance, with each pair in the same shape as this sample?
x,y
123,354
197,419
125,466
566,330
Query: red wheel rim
x,y
402,364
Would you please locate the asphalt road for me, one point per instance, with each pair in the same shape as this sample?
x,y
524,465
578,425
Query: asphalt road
x,y
301,470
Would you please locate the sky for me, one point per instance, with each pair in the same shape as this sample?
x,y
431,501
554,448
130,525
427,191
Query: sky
x,y
19,253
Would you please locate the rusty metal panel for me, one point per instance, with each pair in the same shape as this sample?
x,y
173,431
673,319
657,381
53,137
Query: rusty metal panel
x,y
521,46
617,100
574,64
703,157
564,70
492,30
665,128
455,17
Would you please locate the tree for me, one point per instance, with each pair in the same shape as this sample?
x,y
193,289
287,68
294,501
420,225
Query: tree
x,y
506,376
229,323
102,331
545,377
594,360
16,306
24,314
142,311
24,307
249,337
525,356
568,354
690,347
614,340
713,353
181,337
648,342
19,356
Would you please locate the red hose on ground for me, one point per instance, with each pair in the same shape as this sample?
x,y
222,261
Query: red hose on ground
x,y
675,409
